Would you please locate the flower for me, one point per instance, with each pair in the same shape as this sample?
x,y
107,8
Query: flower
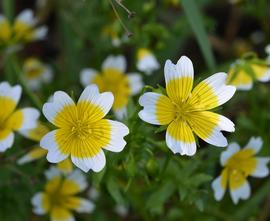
x,y
82,132
36,73
37,152
22,30
59,196
113,79
267,50
238,165
147,62
187,112
242,74
12,120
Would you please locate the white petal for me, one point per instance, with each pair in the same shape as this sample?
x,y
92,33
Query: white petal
x,y
148,64
103,100
95,163
86,206
120,113
87,75
60,100
7,142
54,153
267,49
115,62
30,118
245,87
218,189
265,77
216,138
14,93
40,33
52,172
26,16
255,143
231,150
37,204
118,132
218,84
47,74
78,177
148,101
183,68
183,148
225,124
242,192
262,169
135,82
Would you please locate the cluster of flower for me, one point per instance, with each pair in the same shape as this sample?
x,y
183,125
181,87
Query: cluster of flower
x,y
83,132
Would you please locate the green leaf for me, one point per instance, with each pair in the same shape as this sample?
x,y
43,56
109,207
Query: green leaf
x,y
114,190
195,19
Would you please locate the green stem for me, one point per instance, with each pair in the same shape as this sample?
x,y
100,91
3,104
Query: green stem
x,y
8,8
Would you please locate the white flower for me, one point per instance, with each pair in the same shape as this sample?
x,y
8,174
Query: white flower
x,y
146,61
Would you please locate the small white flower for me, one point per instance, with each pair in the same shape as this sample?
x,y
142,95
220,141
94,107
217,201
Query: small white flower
x,y
146,61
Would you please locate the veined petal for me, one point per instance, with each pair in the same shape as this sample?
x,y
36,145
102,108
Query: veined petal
x,y
74,183
117,133
79,204
115,62
87,76
34,154
94,105
157,109
40,201
230,151
61,214
23,119
211,93
255,144
6,139
208,126
26,16
61,110
36,133
239,187
135,83
261,169
180,138
179,79
55,154
95,163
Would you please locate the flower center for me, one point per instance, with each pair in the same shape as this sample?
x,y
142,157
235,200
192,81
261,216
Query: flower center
x,y
81,130
182,112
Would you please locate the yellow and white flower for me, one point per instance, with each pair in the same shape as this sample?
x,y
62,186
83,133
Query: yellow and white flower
x,y
82,132
36,73
239,77
186,111
12,120
22,30
238,165
113,78
267,50
59,198
146,61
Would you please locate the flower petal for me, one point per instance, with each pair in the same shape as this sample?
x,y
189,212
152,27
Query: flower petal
x,y
135,83
180,138
157,109
52,172
40,203
208,126
261,169
115,62
218,188
179,79
61,214
230,151
79,204
34,154
40,33
241,192
26,16
212,92
94,104
117,133
87,75
148,64
61,102
255,144
95,163
120,113
6,140
55,154
13,93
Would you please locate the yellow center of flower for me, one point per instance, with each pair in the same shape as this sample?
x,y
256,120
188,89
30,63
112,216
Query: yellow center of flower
x,y
33,68
23,31
238,167
116,82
